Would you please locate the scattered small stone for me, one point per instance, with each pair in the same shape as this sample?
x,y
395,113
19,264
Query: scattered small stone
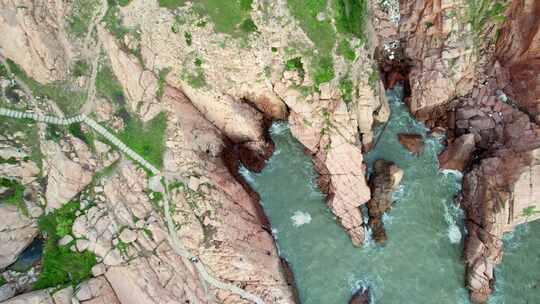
x,y
65,240
113,258
82,244
99,269
128,236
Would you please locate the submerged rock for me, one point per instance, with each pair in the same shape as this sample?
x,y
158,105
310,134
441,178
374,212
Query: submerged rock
x,y
360,297
386,176
412,142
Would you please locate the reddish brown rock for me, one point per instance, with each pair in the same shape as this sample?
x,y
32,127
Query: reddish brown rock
x,y
412,142
458,154
386,176
360,297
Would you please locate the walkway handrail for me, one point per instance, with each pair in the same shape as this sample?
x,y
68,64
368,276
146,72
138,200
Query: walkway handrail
x,y
177,246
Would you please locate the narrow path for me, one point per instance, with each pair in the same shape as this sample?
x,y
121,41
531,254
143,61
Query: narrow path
x,y
176,244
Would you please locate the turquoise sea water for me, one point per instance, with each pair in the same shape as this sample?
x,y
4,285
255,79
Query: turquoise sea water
x,y
518,276
420,262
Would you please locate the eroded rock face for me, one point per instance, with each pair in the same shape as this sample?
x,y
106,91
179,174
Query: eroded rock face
x,y
16,233
494,202
518,56
489,107
440,48
243,88
33,37
66,178
386,177
458,154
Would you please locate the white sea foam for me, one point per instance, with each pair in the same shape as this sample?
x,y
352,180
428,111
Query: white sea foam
x,y
454,234
278,128
275,232
248,175
301,218
455,173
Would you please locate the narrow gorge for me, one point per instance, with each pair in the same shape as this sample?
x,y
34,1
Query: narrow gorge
x,y
269,151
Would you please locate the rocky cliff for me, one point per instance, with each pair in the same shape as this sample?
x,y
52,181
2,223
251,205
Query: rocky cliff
x,y
470,63
193,90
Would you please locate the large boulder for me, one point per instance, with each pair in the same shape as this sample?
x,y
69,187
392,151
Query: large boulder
x,y
412,142
458,154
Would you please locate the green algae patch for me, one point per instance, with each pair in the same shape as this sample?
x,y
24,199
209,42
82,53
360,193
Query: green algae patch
x,y
61,266
68,99
147,139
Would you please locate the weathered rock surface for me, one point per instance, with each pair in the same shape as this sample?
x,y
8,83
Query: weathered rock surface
x,y
386,177
16,233
97,291
489,107
33,37
518,56
241,93
436,77
412,142
458,154
66,178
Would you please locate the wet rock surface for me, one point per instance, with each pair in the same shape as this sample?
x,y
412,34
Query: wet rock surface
x,y
385,178
458,154
360,297
489,116
412,142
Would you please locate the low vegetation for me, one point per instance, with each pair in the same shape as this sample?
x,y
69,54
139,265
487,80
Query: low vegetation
x,y
295,64
68,99
113,23
61,266
344,49
351,17
80,68
81,16
31,136
171,4
530,211
228,17
148,139
346,88
13,195
162,81
107,86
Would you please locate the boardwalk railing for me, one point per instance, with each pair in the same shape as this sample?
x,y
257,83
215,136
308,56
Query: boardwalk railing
x,y
177,246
